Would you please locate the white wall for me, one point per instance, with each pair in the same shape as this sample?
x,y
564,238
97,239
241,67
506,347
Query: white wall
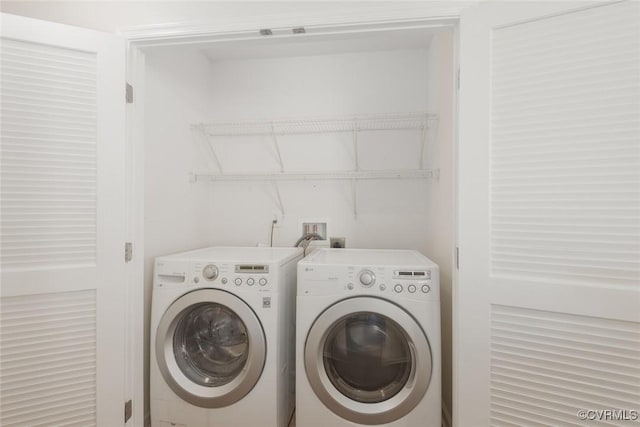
x,y
176,214
112,16
389,213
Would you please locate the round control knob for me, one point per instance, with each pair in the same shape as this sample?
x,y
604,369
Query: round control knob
x,y
425,288
411,288
383,287
238,281
224,280
398,288
262,281
367,278
250,281
210,272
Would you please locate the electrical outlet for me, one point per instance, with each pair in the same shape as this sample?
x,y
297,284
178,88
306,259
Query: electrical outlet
x,y
319,228
337,242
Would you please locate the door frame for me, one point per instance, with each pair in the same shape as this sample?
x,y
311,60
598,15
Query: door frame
x,y
381,17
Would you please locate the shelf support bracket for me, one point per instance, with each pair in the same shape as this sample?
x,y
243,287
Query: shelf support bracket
x,y
355,146
276,191
210,149
354,198
276,146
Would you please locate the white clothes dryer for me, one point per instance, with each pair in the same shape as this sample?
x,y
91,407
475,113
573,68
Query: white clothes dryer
x,y
222,333
368,339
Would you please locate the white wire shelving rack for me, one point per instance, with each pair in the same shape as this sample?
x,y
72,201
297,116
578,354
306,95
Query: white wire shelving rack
x,y
210,133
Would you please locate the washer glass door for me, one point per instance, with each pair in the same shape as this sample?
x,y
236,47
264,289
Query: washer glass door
x,y
210,348
211,344
368,360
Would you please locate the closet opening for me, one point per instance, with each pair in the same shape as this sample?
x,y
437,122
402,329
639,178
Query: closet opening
x,y
248,136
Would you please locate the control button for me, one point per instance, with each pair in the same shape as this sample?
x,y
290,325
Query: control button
x,y
224,280
367,278
398,288
262,281
238,281
250,281
383,287
350,286
411,288
196,279
425,288
210,272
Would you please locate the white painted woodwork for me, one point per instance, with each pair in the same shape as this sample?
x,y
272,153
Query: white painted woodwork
x,y
547,314
62,351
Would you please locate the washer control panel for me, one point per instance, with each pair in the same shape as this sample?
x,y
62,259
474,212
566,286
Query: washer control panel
x,y
211,274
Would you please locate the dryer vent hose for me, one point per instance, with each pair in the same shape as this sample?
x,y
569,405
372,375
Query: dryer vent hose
x,y
307,238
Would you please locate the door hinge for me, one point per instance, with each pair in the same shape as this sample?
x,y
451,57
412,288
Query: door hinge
x,y
128,409
457,258
129,93
128,251
458,78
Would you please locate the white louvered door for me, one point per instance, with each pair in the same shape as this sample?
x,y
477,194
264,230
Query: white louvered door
x,y
62,225
548,299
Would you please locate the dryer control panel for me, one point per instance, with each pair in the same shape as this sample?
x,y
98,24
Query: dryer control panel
x,y
415,282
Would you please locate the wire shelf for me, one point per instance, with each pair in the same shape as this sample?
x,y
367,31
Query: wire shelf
x,y
311,176
208,134
406,121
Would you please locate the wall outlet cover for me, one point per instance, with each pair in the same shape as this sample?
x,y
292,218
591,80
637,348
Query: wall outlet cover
x,y
337,242
317,227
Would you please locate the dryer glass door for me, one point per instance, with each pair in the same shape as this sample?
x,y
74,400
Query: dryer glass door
x,y
368,360
367,357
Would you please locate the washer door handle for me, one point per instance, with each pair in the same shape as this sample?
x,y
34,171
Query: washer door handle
x,y
414,364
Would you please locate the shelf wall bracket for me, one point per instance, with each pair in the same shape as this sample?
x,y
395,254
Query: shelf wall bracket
x,y
276,146
211,150
278,198
423,140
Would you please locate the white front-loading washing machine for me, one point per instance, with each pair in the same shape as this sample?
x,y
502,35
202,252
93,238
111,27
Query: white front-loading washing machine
x,y
368,339
222,334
